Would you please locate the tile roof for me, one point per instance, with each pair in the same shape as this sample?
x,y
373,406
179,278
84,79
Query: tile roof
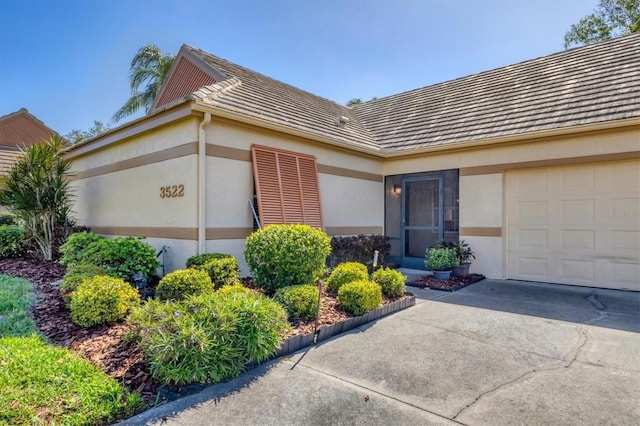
x,y
19,130
590,84
8,156
256,95
23,129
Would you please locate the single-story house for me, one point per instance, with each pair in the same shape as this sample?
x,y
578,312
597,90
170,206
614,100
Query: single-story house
x,y
536,165
19,130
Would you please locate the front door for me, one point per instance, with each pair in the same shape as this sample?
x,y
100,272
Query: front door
x,y
422,218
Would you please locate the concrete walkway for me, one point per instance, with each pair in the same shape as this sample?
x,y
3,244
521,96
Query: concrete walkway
x,y
494,353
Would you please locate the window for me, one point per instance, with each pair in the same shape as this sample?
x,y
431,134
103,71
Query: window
x,y
286,187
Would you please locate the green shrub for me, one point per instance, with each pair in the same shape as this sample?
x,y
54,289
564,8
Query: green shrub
x,y
8,219
11,241
283,255
200,259
391,281
222,271
360,249
43,384
440,259
122,257
74,277
210,337
102,300
345,273
72,251
301,301
360,297
183,283
236,287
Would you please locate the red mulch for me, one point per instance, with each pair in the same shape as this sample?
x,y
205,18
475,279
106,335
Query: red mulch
x,y
103,345
452,284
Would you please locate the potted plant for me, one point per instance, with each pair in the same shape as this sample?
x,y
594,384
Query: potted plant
x,y
463,253
440,261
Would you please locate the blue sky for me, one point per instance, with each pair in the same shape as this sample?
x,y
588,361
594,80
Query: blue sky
x,y
67,61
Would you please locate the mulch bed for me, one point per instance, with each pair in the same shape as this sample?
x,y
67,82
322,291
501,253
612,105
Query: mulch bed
x,y
452,284
104,345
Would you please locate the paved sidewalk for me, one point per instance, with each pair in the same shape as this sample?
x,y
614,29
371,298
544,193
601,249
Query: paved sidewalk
x,y
494,353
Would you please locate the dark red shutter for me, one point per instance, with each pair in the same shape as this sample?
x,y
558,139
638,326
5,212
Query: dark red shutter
x,y
287,187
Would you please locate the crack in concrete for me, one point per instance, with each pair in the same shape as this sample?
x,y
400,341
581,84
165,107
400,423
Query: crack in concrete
x,y
377,392
569,360
479,340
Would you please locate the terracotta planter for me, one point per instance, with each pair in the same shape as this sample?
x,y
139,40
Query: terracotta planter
x,y
461,271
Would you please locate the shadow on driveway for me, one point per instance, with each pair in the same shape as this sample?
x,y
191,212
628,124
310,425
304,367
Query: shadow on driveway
x,y
615,309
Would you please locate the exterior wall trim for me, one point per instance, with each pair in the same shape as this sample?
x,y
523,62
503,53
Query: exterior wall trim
x,y
150,232
499,168
480,231
353,230
190,148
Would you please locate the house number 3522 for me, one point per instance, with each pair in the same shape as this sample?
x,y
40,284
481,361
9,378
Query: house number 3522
x,y
171,191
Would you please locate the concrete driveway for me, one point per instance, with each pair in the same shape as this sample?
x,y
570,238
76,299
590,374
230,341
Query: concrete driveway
x,y
494,353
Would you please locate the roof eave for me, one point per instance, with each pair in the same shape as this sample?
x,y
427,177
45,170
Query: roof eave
x,y
521,137
243,118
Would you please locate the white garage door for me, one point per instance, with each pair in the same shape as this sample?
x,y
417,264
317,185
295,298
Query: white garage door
x,y
577,224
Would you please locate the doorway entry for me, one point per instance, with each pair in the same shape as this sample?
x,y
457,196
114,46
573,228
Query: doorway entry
x,y
420,210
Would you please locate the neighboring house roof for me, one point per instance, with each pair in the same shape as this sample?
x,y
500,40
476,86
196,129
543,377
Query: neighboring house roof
x,y
19,130
591,84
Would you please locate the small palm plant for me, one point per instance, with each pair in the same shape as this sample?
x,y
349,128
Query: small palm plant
x,y
37,191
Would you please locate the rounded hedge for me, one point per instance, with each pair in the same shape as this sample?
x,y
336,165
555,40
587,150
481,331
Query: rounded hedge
x,y
75,275
122,256
360,297
210,337
200,259
391,281
345,273
284,255
222,271
72,251
183,283
301,301
11,241
102,300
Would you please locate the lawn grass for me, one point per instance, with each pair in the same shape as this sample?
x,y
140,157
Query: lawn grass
x,y
15,298
45,384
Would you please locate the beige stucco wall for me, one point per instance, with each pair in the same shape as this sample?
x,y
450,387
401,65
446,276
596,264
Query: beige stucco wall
x,y
481,207
347,202
520,153
132,197
125,200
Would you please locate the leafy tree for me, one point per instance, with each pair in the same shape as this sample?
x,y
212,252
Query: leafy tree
x,y
77,136
148,67
356,101
37,191
612,18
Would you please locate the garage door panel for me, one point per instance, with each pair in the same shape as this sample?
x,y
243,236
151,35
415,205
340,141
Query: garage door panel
x,y
578,239
578,210
577,224
577,270
626,176
579,180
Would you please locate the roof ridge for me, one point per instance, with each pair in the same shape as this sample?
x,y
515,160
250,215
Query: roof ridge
x,y
266,76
